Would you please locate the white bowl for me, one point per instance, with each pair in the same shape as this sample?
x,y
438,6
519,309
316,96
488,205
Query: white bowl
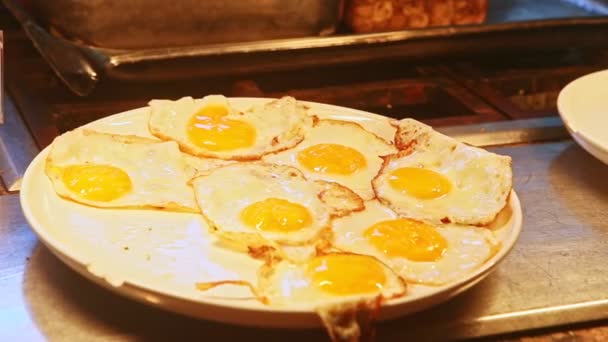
x,y
583,107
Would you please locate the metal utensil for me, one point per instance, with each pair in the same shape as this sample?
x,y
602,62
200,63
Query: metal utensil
x,y
68,62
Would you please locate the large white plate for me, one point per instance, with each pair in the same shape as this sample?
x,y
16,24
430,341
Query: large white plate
x,y
583,106
156,257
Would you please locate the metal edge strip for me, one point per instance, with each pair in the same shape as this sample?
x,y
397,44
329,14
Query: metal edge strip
x,y
118,57
540,318
17,147
508,132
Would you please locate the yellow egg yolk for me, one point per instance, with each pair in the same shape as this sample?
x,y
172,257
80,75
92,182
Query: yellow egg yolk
x,y
410,239
276,215
210,129
346,274
420,183
102,183
331,158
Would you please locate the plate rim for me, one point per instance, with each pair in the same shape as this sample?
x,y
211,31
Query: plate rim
x,y
566,115
140,292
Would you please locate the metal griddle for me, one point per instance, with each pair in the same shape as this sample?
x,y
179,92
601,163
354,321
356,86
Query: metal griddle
x,y
557,273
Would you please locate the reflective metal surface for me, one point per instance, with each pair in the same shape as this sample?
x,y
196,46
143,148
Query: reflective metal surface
x,y
159,23
555,275
508,132
17,148
1,77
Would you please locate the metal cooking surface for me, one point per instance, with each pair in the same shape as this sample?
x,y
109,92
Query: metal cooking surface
x,y
556,273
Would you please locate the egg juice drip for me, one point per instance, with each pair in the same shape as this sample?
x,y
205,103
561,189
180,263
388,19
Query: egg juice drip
x,y
96,182
331,158
420,183
209,128
410,239
346,274
276,215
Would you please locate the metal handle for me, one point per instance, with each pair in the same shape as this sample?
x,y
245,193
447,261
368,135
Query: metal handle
x,y
67,61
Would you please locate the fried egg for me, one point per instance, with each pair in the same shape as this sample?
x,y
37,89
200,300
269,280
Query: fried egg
x,y
436,178
417,251
326,279
113,171
346,290
272,201
338,151
210,127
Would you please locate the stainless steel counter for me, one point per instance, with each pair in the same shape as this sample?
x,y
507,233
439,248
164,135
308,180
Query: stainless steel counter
x,y
556,274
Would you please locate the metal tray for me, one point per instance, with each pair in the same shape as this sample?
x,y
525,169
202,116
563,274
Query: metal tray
x,y
141,24
514,26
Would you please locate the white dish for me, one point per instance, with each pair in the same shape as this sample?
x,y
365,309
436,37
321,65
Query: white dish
x,y
156,257
583,107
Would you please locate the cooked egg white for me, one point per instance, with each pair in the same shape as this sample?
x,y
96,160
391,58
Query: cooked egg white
x,y
113,171
417,251
338,151
436,178
201,165
210,127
